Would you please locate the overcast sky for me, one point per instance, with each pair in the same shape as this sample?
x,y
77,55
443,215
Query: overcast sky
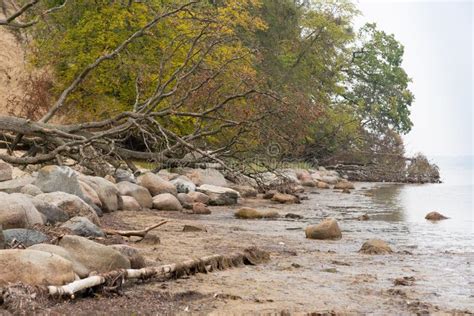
x,y
438,40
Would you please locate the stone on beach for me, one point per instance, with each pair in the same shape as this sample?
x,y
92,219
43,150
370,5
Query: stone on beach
x,y
130,204
141,194
34,267
285,198
15,185
82,226
375,247
137,261
250,213
219,195
155,184
183,184
31,189
26,237
435,216
107,191
343,185
207,176
201,208
327,229
18,212
52,214
6,171
322,185
245,191
58,178
186,200
167,202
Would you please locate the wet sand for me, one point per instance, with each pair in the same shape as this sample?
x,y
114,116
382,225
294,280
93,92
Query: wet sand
x,y
303,276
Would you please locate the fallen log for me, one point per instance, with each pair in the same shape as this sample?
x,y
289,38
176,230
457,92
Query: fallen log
x,y
135,233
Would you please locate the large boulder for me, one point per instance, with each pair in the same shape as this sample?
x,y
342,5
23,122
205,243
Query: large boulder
x,y
199,197
166,201
108,193
435,216
82,226
26,237
183,184
141,194
51,212
207,176
219,195
375,247
31,189
284,198
155,184
327,229
90,194
6,171
330,179
18,212
94,256
245,191
78,267
185,200
344,185
34,267
70,204
130,204
58,178
322,185
15,185
137,261
124,175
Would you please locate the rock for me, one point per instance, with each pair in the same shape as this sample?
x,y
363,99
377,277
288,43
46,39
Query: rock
x,y
200,208
404,281
306,180
70,204
6,171
375,247
2,238
347,191
207,176
268,195
199,197
156,185
299,189
327,229
183,184
285,198
293,216
250,213
18,212
78,267
56,178
192,228
245,191
344,184
122,175
15,185
322,185
219,195
435,216
141,194
51,213
34,267
330,179
90,193
31,189
82,226
27,237
166,201
108,193
166,175
186,200
137,261
364,217
110,178
130,204
94,256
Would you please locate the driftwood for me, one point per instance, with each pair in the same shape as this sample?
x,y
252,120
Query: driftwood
x,y
250,256
138,233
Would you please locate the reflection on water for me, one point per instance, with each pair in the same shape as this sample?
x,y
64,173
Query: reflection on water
x,y
388,200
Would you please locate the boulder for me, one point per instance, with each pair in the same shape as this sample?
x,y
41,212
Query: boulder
x,y
166,175
137,261
82,226
199,197
15,185
124,175
130,204
219,195
245,191
78,268
322,185
51,212
344,185
193,228
31,189
268,195
110,178
186,200
327,229
166,201
207,176
94,256
27,237
34,267
156,185
108,193
330,179
6,171
183,184
250,213
285,198
200,208
435,216
58,178
141,194
18,212
70,204
90,193
375,247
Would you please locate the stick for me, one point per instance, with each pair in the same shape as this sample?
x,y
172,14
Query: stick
x,y
129,233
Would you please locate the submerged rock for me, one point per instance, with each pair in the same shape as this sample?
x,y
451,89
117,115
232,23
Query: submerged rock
x,y
435,216
250,213
375,247
327,229
34,267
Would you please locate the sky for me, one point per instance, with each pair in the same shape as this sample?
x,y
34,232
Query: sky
x,y
439,43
